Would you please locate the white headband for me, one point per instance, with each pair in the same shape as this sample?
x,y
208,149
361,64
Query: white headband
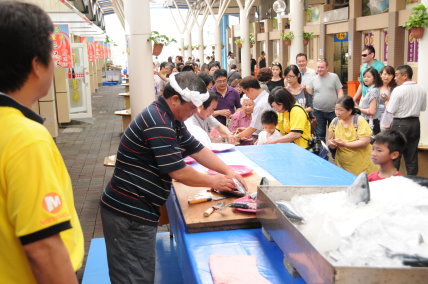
x,y
189,96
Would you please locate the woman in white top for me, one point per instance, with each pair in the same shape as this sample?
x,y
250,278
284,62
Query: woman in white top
x,y
387,74
369,104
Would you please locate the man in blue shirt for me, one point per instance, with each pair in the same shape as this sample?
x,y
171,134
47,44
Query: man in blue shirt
x,y
368,55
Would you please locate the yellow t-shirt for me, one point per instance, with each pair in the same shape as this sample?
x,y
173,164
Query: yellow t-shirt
x,y
35,195
299,121
357,160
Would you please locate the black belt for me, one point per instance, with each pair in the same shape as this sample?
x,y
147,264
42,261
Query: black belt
x,y
406,118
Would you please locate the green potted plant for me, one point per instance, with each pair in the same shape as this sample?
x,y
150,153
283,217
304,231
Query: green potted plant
x,y
239,42
287,37
185,47
307,37
159,41
417,21
252,40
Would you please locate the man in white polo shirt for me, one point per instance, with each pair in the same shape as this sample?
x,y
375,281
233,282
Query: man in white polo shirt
x,y
407,102
251,87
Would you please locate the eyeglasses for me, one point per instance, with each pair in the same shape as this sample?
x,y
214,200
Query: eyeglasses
x,y
365,55
221,81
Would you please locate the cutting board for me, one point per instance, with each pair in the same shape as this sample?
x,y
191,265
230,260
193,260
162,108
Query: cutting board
x,y
224,219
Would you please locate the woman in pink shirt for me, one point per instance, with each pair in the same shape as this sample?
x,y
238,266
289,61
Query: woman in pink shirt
x,y
242,118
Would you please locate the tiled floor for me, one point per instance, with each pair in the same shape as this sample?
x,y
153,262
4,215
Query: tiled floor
x,y
83,144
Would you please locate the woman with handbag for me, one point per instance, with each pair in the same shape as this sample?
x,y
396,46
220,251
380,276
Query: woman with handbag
x,y
293,122
349,133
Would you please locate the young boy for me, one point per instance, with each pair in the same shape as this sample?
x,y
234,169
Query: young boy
x,y
387,147
269,122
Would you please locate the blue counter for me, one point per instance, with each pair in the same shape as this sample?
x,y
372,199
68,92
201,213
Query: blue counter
x,y
287,163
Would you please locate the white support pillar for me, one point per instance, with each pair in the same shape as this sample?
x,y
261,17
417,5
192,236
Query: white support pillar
x,y
137,26
182,29
423,80
182,45
297,16
189,44
218,45
244,11
245,50
201,44
223,4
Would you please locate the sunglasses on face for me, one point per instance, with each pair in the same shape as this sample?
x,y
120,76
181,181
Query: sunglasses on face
x,y
365,55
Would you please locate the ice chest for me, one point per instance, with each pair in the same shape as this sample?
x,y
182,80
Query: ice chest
x,y
299,254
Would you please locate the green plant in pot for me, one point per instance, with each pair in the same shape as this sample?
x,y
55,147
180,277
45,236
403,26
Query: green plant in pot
x,y
252,40
307,37
159,41
417,21
239,42
287,37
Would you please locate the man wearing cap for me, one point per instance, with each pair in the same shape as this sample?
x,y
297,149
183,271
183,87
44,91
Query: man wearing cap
x,y
150,155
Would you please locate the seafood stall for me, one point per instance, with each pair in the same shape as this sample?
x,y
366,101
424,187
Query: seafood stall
x,y
194,249
326,238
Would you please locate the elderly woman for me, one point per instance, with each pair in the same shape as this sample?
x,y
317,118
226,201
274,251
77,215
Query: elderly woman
x,y
242,118
264,76
293,120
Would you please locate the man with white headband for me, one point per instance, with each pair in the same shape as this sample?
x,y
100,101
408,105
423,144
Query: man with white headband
x,y
150,154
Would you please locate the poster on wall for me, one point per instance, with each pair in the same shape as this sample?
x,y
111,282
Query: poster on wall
x,y
313,14
61,47
385,45
368,39
90,46
374,7
412,48
340,37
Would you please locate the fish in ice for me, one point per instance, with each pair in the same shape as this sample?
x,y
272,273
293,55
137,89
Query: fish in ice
x,y
290,212
359,190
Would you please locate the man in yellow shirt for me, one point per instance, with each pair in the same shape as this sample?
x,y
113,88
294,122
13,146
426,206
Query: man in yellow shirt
x,y
40,234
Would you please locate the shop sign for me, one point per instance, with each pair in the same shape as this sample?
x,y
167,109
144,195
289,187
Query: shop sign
x,y
340,37
61,47
368,39
412,48
99,50
90,46
385,45
108,50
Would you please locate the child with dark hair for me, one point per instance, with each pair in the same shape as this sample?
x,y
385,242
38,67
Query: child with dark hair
x,y
369,104
269,122
387,147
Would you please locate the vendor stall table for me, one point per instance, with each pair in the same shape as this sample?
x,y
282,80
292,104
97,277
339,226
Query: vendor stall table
x,y
289,165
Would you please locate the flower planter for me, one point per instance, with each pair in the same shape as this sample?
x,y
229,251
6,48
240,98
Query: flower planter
x,y
157,49
305,42
287,42
251,45
213,47
239,45
417,33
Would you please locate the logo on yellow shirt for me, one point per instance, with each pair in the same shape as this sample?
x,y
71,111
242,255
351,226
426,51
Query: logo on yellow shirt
x,y
52,202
